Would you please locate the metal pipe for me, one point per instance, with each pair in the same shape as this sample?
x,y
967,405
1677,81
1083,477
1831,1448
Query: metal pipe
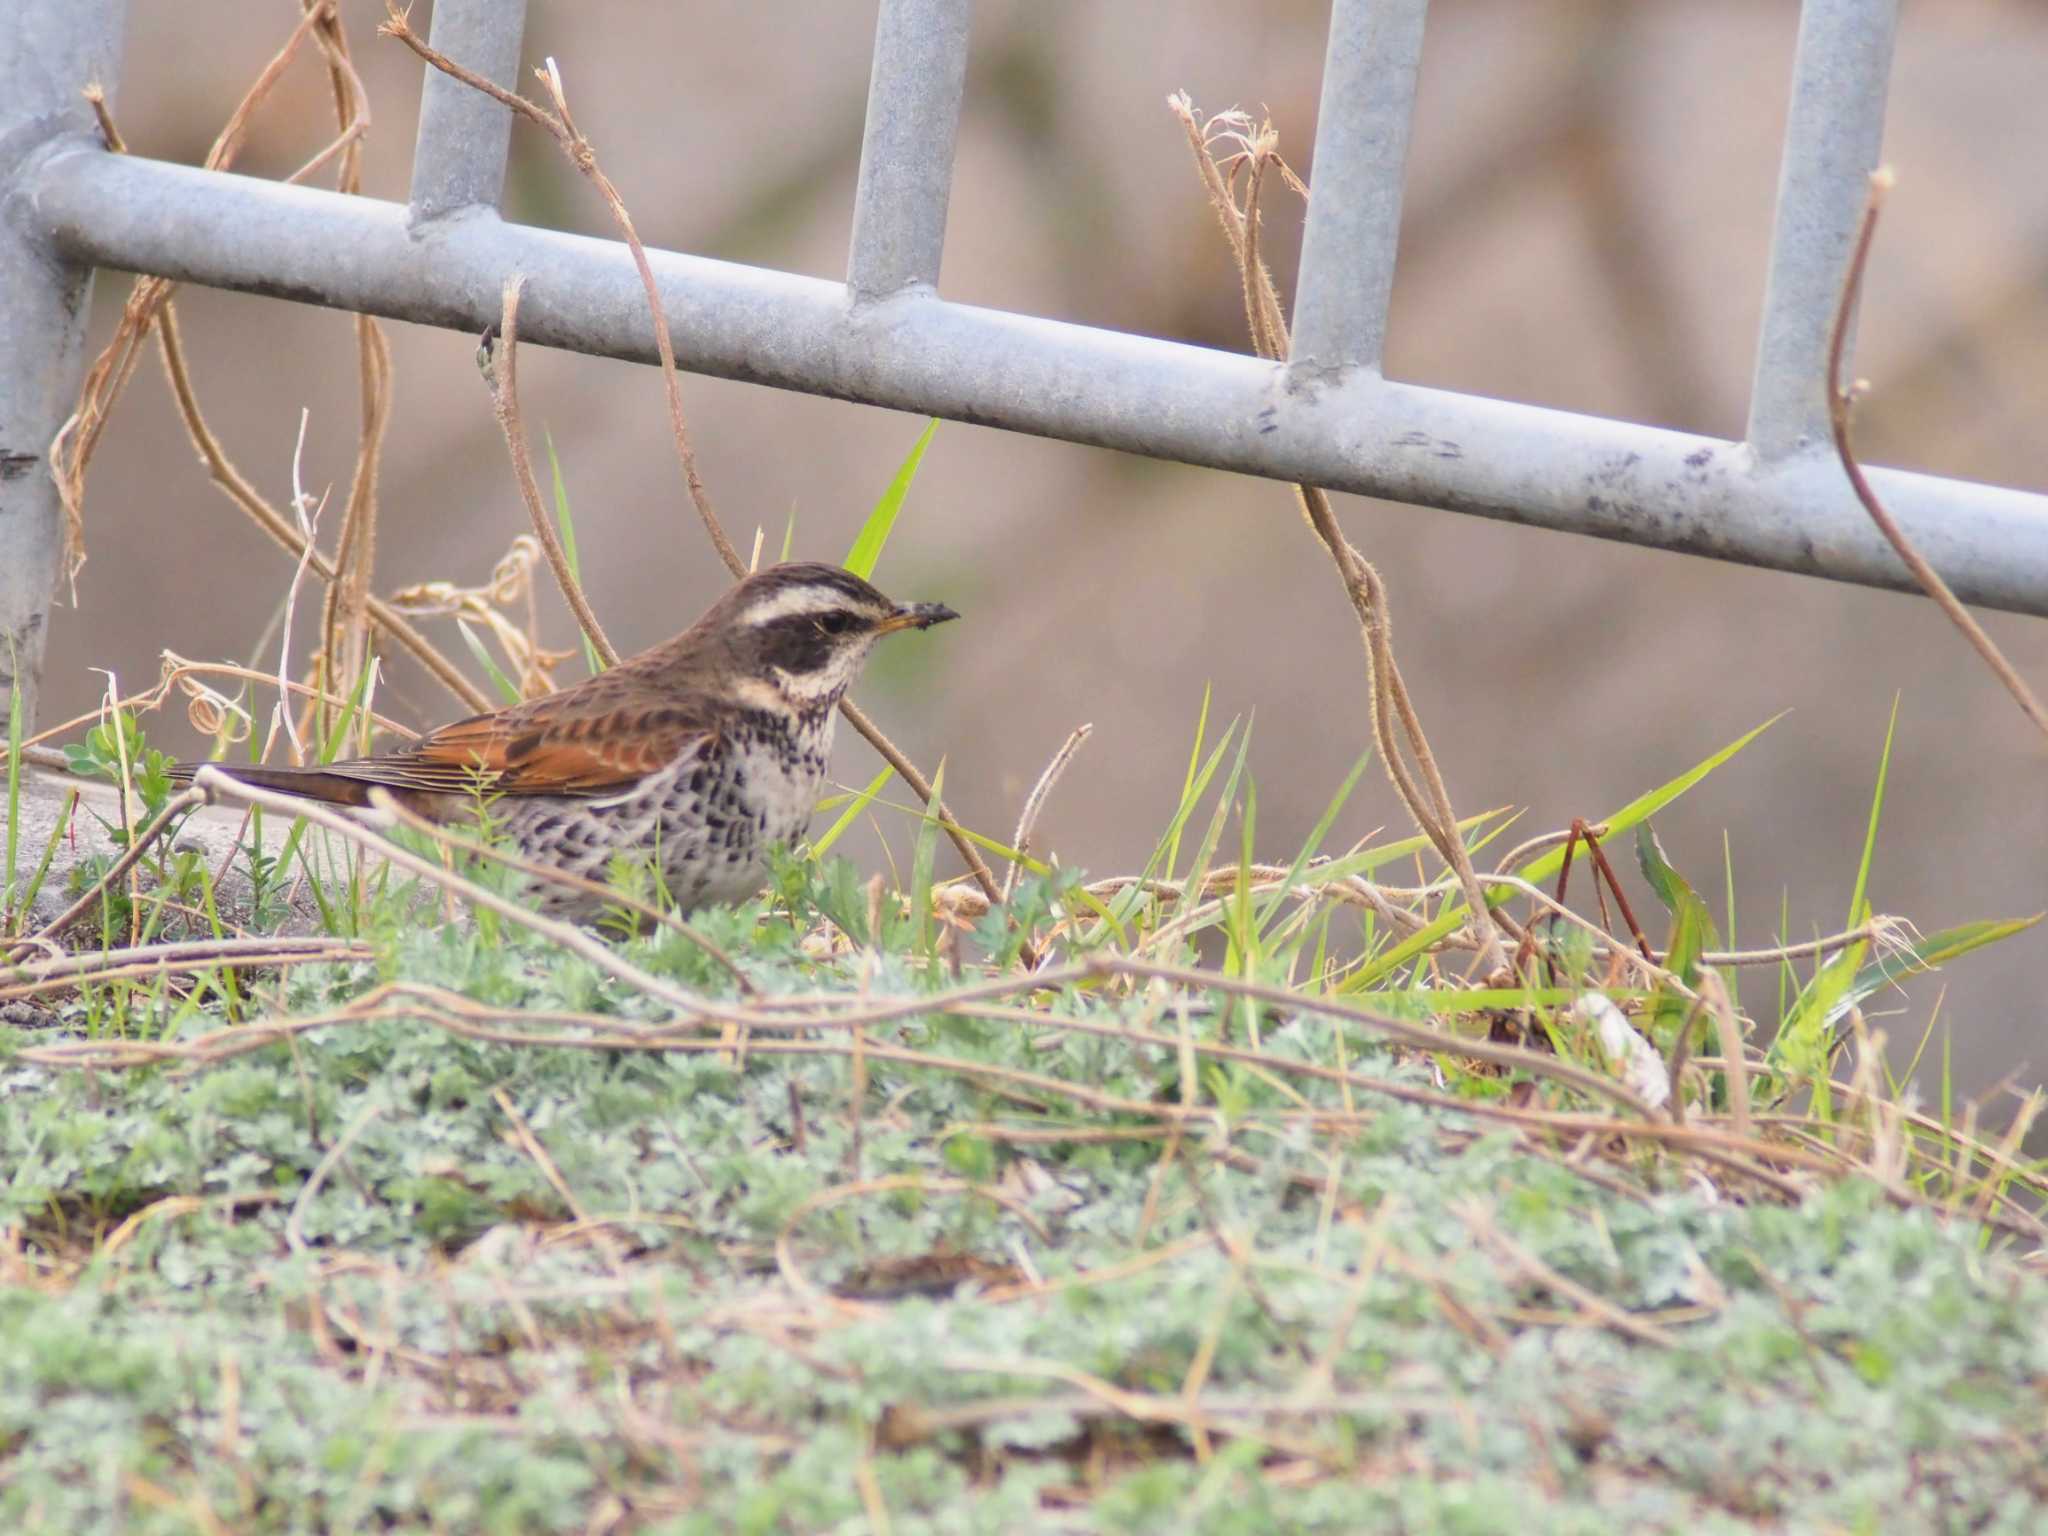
x,y
1519,463
48,54
1833,135
1354,218
458,160
906,152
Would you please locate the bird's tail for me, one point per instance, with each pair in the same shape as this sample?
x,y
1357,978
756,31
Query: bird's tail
x,y
311,783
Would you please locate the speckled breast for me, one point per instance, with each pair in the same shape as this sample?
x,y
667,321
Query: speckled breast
x,y
709,818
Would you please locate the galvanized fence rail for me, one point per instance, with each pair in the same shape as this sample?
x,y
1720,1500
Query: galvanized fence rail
x,y
1327,415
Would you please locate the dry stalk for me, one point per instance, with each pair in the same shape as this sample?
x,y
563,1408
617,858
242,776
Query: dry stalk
x,y
1389,703
1034,802
345,617
1841,402
149,306
208,709
274,523
505,403
79,436
510,586
561,127
65,971
309,527
73,446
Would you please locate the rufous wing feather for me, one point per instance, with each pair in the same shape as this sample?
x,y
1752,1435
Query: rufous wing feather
x,y
593,739
558,754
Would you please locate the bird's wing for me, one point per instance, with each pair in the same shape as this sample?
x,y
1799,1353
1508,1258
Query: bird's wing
x,y
603,744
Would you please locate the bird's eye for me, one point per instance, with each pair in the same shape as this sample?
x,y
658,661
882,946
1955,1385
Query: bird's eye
x,y
836,623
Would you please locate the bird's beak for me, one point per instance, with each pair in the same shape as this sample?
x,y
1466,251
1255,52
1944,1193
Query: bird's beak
x,y
915,616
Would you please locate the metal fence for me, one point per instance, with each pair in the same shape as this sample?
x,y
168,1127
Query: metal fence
x,y
1327,415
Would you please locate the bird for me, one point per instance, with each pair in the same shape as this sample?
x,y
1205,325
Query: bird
x,y
704,751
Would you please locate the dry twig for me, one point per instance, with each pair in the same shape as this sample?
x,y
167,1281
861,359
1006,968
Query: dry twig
x,y
1034,802
1841,401
149,307
505,402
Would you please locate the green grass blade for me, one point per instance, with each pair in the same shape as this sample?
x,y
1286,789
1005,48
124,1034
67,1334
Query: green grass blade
x,y
1803,1044
1692,931
855,805
1197,783
29,892
507,689
1366,860
567,526
1316,835
921,864
1931,952
1187,783
981,840
331,747
874,533
1858,906
1545,865
1729,978
1205,852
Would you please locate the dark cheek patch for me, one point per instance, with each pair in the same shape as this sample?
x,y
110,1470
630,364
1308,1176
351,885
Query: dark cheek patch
x,y
799,645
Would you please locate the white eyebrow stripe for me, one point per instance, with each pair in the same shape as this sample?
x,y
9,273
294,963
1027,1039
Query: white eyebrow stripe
x,y
797,600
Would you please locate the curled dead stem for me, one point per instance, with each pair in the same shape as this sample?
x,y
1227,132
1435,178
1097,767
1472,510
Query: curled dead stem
x,y
1841,404
1422,790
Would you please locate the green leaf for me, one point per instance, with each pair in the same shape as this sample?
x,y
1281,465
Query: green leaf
x,y
1692,926
874,533
1366,860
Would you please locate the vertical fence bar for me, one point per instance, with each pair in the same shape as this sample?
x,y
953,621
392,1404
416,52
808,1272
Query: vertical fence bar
x,y
1833,135
459,159
48,54
1354,218
906,153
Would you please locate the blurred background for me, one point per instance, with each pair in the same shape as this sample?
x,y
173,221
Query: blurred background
x,y
1588,204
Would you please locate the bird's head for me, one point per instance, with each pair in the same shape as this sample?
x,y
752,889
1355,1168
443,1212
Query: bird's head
x,y
803,630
